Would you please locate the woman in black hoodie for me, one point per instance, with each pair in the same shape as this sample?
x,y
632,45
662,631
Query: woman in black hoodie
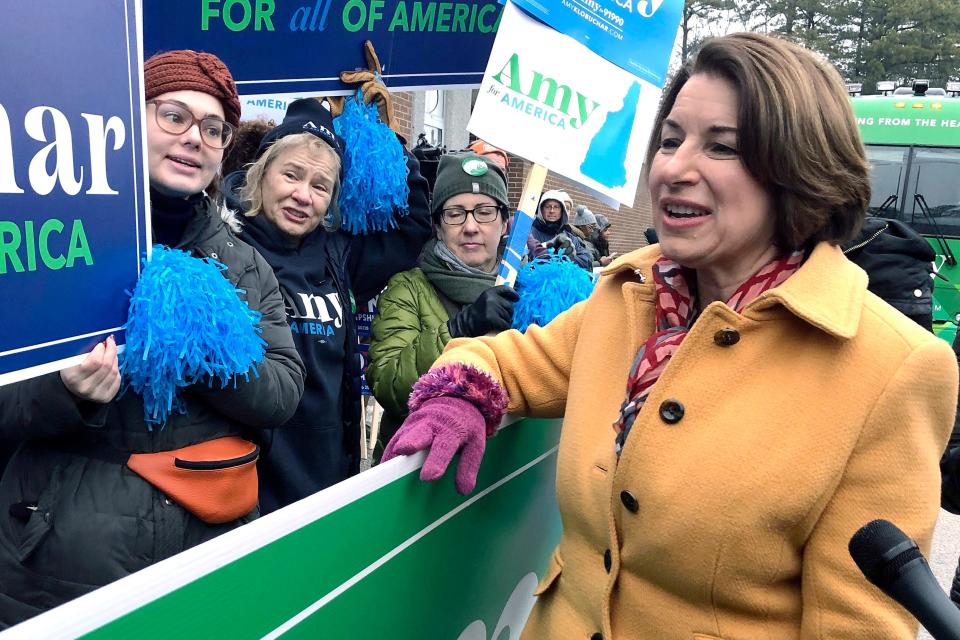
x,y
289,198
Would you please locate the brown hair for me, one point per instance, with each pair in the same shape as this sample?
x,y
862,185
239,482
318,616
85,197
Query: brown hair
x,y
252,192
796,134
246,141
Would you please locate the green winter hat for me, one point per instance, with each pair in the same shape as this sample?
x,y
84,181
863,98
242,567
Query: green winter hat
x,y
467,172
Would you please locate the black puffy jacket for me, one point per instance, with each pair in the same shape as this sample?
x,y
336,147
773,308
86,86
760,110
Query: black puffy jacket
x,y
73,517
899,264
950,476
950,462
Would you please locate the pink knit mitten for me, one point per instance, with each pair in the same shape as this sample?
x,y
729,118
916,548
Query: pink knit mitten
x,y
444,425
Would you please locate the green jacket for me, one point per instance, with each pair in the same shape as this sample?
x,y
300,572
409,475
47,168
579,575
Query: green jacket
x,y
409,334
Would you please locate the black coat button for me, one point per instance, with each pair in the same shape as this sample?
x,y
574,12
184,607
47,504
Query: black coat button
x,y
726,337
597,636
671,411
607,560
629,501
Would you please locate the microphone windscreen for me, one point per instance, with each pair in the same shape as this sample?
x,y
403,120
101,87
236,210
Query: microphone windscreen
x,y
870,548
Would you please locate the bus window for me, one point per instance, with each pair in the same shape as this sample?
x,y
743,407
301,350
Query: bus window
x,y
886,179
934,175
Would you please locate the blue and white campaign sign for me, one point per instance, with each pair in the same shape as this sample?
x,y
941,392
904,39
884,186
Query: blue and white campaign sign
x,y
301,46
625,32
268,106
516,249
547,98
73,218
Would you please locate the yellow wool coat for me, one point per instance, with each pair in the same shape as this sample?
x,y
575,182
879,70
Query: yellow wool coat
x,y
770,438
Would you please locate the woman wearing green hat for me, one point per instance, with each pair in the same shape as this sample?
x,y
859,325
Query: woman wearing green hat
x,y
451,294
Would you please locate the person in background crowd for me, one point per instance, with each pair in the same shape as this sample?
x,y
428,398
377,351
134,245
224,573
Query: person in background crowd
x,y
550,230
243,150
451,294
429,158
650,234
601,240
568,203
494,154
289,200
583,225
73,516
899,266
584,220
765,405
950,476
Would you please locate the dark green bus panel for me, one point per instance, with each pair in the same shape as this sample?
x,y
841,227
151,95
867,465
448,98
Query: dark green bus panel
x,y
913,145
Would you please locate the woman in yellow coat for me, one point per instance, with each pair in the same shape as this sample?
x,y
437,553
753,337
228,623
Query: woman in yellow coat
x,y
764,404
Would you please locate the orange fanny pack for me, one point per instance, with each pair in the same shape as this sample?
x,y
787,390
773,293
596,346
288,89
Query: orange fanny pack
x,y
214,480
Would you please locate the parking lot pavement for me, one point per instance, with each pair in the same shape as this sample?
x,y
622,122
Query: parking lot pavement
x,y
944,553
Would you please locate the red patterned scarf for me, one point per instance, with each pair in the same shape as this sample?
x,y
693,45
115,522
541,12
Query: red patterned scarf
x,y
675,313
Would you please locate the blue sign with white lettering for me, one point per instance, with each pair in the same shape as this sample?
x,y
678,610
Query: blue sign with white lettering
x,y
72,190
278,46
635,35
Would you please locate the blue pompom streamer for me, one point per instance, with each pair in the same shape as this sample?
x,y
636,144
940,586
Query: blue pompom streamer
x,y
548,286
374,170
186,324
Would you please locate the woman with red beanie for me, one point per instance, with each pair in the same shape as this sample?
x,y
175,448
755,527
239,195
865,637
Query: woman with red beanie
x,y
73,515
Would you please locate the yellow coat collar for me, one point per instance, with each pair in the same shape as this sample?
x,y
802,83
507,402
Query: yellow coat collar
x,y
827,291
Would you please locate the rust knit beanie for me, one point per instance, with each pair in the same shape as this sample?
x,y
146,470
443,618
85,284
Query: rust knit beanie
x,y
187,70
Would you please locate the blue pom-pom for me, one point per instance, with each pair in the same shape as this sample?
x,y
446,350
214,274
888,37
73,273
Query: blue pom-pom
x,y
548,286
186,324
374,170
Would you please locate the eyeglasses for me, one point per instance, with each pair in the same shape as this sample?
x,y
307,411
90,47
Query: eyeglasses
x,y
176,119
483,214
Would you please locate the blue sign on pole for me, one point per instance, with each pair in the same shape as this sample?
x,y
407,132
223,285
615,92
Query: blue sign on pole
x,y
73,224
621,31
301,46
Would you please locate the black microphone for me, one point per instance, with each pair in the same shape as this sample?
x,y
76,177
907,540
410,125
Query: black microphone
x,y
893,562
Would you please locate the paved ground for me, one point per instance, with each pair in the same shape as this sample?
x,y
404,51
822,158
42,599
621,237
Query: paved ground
x,y
945,551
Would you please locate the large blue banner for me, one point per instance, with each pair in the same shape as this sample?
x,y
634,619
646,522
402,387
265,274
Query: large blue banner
x,y
629,33
72,212
301,46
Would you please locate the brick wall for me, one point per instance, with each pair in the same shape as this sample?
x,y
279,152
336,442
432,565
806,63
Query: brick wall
x,y
628,223
403,113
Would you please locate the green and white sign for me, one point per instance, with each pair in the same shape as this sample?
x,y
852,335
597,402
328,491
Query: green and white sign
x,y
923,120
382,555
548,98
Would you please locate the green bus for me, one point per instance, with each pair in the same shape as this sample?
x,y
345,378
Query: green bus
x,y
913,145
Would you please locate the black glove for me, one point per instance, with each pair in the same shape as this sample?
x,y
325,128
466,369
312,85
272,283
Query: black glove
x,y
562,245
492,311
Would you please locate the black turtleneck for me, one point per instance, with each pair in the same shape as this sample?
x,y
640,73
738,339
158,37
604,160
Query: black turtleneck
x,y
170,216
